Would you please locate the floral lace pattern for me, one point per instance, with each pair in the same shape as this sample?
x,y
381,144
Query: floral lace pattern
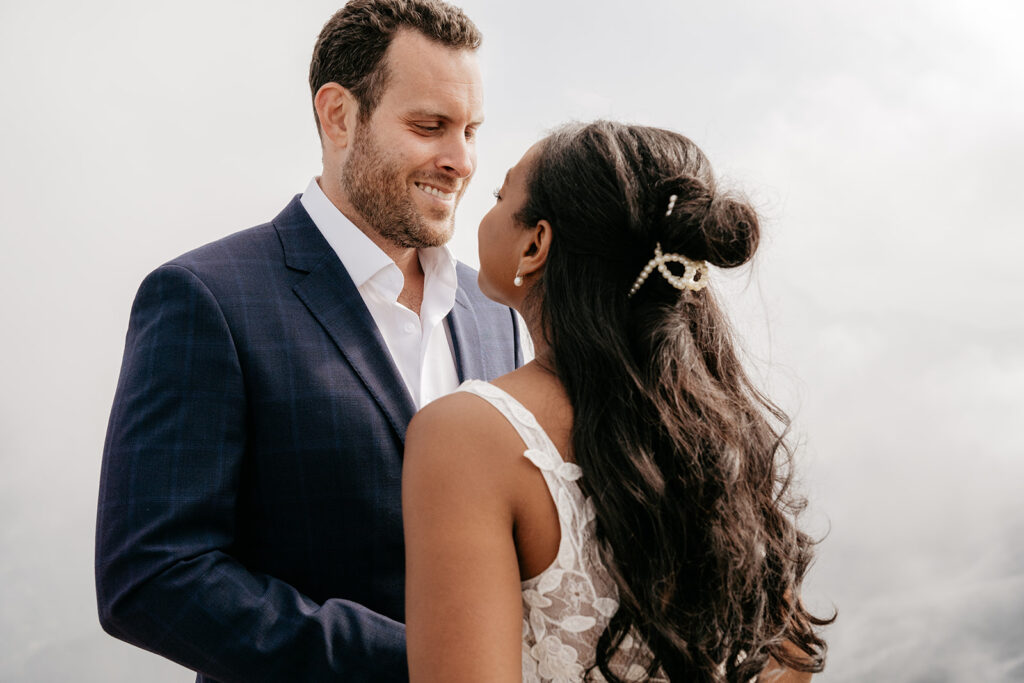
x,y
568,605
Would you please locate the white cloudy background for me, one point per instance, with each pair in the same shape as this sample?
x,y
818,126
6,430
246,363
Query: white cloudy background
x,y
883,142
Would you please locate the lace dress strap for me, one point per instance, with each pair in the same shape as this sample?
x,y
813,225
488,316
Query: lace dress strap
x,y
539,448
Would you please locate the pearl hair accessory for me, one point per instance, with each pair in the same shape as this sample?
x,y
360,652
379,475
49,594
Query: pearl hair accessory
x,y
680,282
518,280
671,205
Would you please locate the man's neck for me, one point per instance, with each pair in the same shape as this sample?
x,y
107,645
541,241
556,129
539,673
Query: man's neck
x,y
406,258
408,262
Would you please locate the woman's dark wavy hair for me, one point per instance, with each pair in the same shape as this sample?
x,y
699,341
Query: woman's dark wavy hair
x,y
685,459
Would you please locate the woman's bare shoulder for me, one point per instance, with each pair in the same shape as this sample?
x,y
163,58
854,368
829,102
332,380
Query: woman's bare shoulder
x,y
457,416
463,436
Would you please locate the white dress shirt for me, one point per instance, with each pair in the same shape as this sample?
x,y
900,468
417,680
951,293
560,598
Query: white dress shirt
x,y
420,345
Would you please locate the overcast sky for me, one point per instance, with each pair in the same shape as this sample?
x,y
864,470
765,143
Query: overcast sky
x,y
882,141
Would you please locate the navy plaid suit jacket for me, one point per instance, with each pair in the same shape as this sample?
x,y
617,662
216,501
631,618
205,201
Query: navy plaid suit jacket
x,y
249,523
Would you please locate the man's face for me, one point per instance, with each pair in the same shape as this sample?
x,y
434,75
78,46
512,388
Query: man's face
x,y
410,163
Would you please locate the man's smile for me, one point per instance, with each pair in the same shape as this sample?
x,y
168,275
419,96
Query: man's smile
x,y
437,192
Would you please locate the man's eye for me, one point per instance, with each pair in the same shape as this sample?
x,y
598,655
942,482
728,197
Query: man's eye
x,y
497,194
428,129
470,133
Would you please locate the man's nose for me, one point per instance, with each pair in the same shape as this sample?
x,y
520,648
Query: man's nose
x,y
458,155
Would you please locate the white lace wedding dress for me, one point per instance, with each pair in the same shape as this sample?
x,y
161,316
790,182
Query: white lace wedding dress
x,y
568,605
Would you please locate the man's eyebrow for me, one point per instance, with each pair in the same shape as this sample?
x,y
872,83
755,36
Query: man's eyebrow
x,y
427,114
431,114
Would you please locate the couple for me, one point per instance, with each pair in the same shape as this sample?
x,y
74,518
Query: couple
x,y
610,510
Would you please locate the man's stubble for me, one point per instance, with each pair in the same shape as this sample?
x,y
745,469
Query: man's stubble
x,y
376,189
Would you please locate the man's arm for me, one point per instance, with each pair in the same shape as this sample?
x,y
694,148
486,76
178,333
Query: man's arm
x,y
165,577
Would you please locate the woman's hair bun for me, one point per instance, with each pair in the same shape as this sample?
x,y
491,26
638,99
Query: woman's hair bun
x,y
703,224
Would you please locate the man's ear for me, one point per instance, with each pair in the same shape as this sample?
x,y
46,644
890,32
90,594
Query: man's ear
x,y
535,249
337,109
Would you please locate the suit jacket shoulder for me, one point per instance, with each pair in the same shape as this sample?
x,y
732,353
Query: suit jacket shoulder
x,y
290,240
486,331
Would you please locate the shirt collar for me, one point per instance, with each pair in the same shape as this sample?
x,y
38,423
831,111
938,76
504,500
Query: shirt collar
x,y
365,261
361,257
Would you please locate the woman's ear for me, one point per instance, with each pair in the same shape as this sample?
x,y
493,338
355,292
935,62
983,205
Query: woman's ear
x,y
535,248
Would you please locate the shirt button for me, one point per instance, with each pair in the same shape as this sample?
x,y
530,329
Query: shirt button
x,y
409,328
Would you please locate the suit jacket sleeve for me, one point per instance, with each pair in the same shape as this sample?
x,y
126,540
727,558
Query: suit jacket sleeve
x,y
166,579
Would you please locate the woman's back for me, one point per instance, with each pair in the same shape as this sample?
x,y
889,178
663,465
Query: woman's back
x,y
568,604
502,477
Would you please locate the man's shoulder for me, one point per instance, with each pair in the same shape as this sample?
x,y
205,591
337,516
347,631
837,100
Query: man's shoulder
x,y
238,246
248,248
467,278
468,286
496,322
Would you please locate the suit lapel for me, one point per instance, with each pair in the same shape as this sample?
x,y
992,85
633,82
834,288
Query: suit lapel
x,y
465,338
332,298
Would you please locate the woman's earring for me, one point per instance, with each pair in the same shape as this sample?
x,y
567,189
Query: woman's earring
x,y
518,280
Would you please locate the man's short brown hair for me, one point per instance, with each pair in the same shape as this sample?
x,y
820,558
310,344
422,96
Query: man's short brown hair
x,y
350,49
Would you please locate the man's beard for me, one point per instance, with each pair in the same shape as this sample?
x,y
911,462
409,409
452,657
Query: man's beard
x,y
377,191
